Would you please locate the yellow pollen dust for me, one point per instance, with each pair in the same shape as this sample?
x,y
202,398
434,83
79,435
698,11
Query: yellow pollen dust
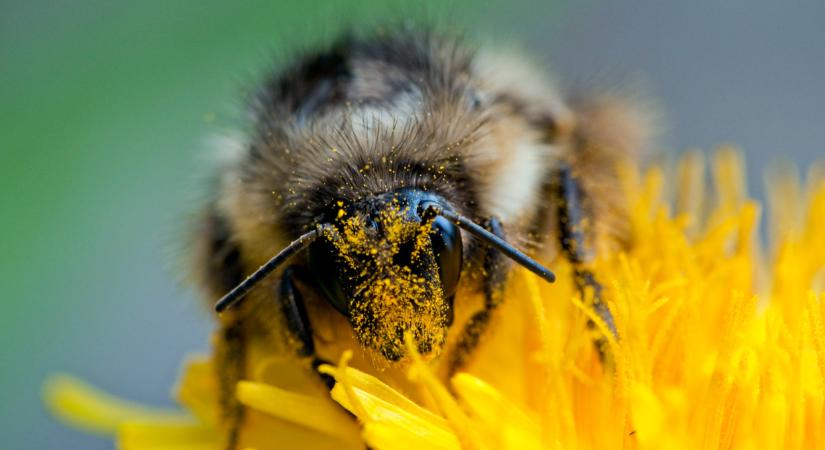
x,y
396,285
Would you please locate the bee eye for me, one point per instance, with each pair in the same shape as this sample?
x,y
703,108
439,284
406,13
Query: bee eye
x,y
323,263
447,248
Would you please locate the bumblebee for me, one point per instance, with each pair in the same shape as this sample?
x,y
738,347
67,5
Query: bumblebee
x,y
384,175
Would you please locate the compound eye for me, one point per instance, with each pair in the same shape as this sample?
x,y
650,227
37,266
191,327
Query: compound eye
x,y
326,270
447,248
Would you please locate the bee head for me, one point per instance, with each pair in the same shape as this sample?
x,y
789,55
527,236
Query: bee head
x,y
391,268
390,263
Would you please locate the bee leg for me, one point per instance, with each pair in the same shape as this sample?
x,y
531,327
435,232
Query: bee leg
x,y
494,276
575,237
230,360
297,321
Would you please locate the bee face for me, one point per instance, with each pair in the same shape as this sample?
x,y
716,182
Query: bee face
x,y
390,269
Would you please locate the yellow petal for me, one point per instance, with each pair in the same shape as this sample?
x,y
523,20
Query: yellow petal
x,y
392,412
495,416
197,389
318,414
93,410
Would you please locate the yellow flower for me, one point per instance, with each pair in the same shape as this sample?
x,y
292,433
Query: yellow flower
x,y
718,350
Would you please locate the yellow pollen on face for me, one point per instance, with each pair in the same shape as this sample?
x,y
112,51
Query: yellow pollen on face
x,y
391,298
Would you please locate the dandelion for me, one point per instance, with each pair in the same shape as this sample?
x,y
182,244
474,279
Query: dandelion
x,y
721,346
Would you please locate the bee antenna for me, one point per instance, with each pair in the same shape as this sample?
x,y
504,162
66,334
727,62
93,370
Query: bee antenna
x,y
480,232
238,293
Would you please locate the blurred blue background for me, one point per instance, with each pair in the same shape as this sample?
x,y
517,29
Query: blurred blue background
x,y
105,108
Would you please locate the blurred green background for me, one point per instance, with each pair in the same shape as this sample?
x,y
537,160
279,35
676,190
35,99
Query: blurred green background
x,y
106,109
